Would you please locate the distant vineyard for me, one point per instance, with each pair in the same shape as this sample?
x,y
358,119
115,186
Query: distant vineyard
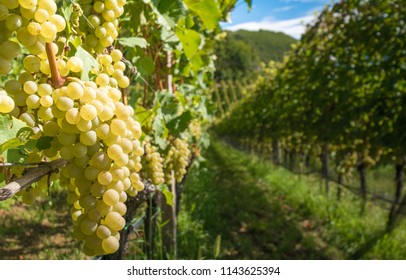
x,y
338,97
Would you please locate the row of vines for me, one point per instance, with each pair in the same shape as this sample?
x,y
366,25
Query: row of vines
x,y
339,96
108,99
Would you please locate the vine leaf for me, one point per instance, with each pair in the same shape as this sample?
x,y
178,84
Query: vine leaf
x,y
179,124
190,40
133,42
9,133
88,62
208,11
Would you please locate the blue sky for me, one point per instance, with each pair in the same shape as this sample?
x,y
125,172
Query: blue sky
x,y
288,16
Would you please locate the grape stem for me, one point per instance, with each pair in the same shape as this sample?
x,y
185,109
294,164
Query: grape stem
x,y
31,176
56,79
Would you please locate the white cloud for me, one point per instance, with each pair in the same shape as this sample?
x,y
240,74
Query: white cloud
x,y
283,9
293,27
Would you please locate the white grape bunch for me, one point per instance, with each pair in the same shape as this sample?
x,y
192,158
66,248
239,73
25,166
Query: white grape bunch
x,y
152,163
87,123
176,160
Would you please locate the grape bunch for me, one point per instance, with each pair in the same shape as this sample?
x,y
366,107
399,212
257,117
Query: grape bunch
x,y
101,25
177,159
152,163
97,135
85,122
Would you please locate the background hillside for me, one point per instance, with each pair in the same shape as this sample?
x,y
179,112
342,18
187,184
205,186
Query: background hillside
x,y
241,53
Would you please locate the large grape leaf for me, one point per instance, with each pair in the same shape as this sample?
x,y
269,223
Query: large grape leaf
x,y
190,40
207,10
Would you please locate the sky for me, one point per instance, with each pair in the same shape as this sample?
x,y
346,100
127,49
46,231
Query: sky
x,y
287,16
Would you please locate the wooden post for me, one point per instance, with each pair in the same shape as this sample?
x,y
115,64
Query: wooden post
x,y
169,219
225,94
398,192
339,190
363,182
325,166
219,100
233,93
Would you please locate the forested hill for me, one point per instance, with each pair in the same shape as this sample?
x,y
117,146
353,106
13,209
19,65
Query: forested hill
x,y
239,56
267,44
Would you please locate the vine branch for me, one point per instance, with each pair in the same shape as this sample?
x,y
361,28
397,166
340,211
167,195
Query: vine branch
x,y
31,176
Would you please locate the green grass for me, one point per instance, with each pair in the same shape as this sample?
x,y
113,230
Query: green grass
x,y
266,212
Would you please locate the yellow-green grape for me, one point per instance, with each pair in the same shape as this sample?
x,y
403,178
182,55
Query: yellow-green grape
x,y
74,90
75,64
3,12
103,232
28,4
114,221
13,22
34,28
8,51
41,15
6,103
58,21
110,245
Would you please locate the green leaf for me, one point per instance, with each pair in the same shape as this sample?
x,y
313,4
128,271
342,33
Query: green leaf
x,y
179,124
133,42
10,144
20,140
249,4
15,156
190,40
88,62
76,42
181,98
67,13
159,126
168,196
169,107
9,128
207,10
142,115
44,143
145,65
217,245
204,141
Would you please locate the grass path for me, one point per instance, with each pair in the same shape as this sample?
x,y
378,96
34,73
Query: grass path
x,y
235,201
